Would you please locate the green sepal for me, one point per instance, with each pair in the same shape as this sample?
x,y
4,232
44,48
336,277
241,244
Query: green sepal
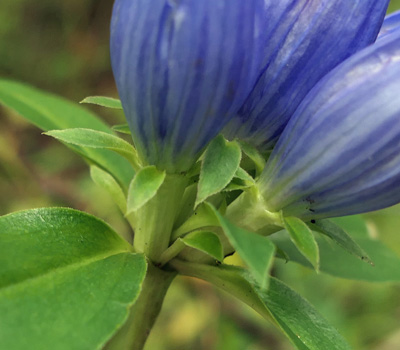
x,y
103,101
203,241
61,271
338,262
122,129
106,181
144,187
203,216
301,323
256,251
254,155
49,112
340,236
97,139
303,238
220,163
243,175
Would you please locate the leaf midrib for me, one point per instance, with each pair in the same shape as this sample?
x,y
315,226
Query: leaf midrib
x,y
57,270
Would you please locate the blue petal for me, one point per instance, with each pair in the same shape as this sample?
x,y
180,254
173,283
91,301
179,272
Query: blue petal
x,y
390,24
183,68
340,153
310,39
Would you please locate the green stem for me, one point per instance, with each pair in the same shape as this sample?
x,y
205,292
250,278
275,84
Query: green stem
x,y
143,314
156,218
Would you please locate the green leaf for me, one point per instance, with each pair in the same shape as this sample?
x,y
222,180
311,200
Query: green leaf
x,y
303,238
254,155
66,279
123,129
203,216
108,183
49,112
207,242
97,139
108,102
243,175
144,187
301,323
338,235
337,262
256,251
219,166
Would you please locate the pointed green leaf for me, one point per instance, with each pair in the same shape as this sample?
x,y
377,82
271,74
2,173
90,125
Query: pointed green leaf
x,y
144,187
220,163
203,216
103,101
207,242
337,234
338,262
301,323
243,175
66,279
256,251
254,155
123,129
97,139
108,183
303,238
49,112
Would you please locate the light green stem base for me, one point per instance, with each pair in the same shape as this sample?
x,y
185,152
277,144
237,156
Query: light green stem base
x,y
154,221
143,314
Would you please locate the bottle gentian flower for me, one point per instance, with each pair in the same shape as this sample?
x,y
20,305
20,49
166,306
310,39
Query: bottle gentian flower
x,y
183,68
340,153
309,40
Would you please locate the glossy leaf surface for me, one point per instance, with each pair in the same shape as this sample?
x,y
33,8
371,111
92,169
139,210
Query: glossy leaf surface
x,y
66,278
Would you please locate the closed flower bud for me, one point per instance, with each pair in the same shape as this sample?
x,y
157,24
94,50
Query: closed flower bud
x,y
310,38
340,153
183,68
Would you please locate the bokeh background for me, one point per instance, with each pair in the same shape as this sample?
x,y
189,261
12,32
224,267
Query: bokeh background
x,y
62,46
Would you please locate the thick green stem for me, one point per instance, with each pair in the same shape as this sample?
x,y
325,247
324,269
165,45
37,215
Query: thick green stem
x,y
143,314
156,218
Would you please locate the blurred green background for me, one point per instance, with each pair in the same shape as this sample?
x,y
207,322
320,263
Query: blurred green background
x,y
62,46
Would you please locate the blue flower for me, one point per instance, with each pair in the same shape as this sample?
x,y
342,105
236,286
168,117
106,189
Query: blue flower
x,y
183,68
391,23
340,153
308,39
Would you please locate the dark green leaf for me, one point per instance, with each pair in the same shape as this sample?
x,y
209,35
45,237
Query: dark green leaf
x,y
302,324
108,102
338,235
144,187
49,112
256,251
66,279
303,238
220,163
